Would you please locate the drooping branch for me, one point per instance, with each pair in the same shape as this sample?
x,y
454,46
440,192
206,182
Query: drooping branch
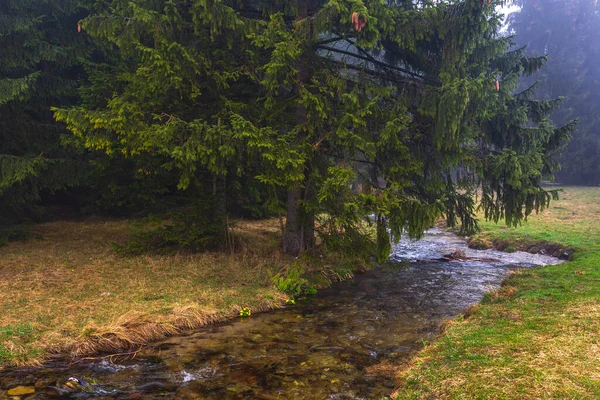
x,y
382,75
331,40
372,60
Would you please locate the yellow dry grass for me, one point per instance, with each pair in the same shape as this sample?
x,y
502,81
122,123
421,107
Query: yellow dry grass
x,y
75,294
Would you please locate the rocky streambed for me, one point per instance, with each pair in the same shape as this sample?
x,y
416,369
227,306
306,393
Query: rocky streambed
x,y
346,342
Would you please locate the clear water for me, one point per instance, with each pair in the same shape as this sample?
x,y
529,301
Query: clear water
x,y
343,343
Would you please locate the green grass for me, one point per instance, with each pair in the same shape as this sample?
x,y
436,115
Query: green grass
x,y
538,336
573,221
15,341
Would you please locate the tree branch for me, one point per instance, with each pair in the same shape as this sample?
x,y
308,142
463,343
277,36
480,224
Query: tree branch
x,y
380,63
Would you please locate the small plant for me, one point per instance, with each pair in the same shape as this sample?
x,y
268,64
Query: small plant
x,y
310,290
292,283
245,312
290,302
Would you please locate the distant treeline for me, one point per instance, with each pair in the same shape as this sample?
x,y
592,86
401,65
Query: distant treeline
x,y
567,31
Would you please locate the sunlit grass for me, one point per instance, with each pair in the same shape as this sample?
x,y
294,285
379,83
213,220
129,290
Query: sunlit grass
x,y
537,337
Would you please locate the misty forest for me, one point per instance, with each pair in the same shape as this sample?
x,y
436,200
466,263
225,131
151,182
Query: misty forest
x,y
304,195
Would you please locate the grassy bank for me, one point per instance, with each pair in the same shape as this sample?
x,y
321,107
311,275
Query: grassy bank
x,y
69,292
538,336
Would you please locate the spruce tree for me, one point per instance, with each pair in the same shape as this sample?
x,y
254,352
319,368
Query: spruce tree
x,y
186,67
354,107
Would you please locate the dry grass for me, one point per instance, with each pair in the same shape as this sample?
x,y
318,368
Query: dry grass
x,y
70,292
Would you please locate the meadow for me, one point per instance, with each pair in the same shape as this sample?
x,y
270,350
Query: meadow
x,y
536,337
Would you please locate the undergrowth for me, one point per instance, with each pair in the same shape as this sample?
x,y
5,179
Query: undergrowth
x,y
14,233
192,230
293,282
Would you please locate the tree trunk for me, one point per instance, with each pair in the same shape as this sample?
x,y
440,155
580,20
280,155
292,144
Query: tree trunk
x,y
299,229
300,223
220,207
293,237
308,230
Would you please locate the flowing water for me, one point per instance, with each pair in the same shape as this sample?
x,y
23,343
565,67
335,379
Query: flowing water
x,y
343,343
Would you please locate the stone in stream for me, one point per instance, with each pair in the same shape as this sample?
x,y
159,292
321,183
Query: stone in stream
x,y
43,383
21,391
154,386
187,393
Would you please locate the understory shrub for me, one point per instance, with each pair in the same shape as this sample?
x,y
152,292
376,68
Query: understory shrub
x,y
293,283
191,229
14,233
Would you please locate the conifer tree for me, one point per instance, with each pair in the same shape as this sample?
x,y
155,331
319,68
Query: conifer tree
x,y
186,69
354,107
39,48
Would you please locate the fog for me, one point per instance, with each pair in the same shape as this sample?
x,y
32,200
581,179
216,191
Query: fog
x,y
566,31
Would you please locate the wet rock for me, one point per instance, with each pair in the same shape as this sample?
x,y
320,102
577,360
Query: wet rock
x,y
21,391
187,393
566,255
44,383
133,396
53,392
153,387
552,249
153,359
265,396
457,254
76,384
7,382
246,376
326,348
500,244
273,382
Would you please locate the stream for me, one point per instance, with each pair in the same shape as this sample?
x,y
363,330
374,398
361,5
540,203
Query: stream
x,y
343,343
